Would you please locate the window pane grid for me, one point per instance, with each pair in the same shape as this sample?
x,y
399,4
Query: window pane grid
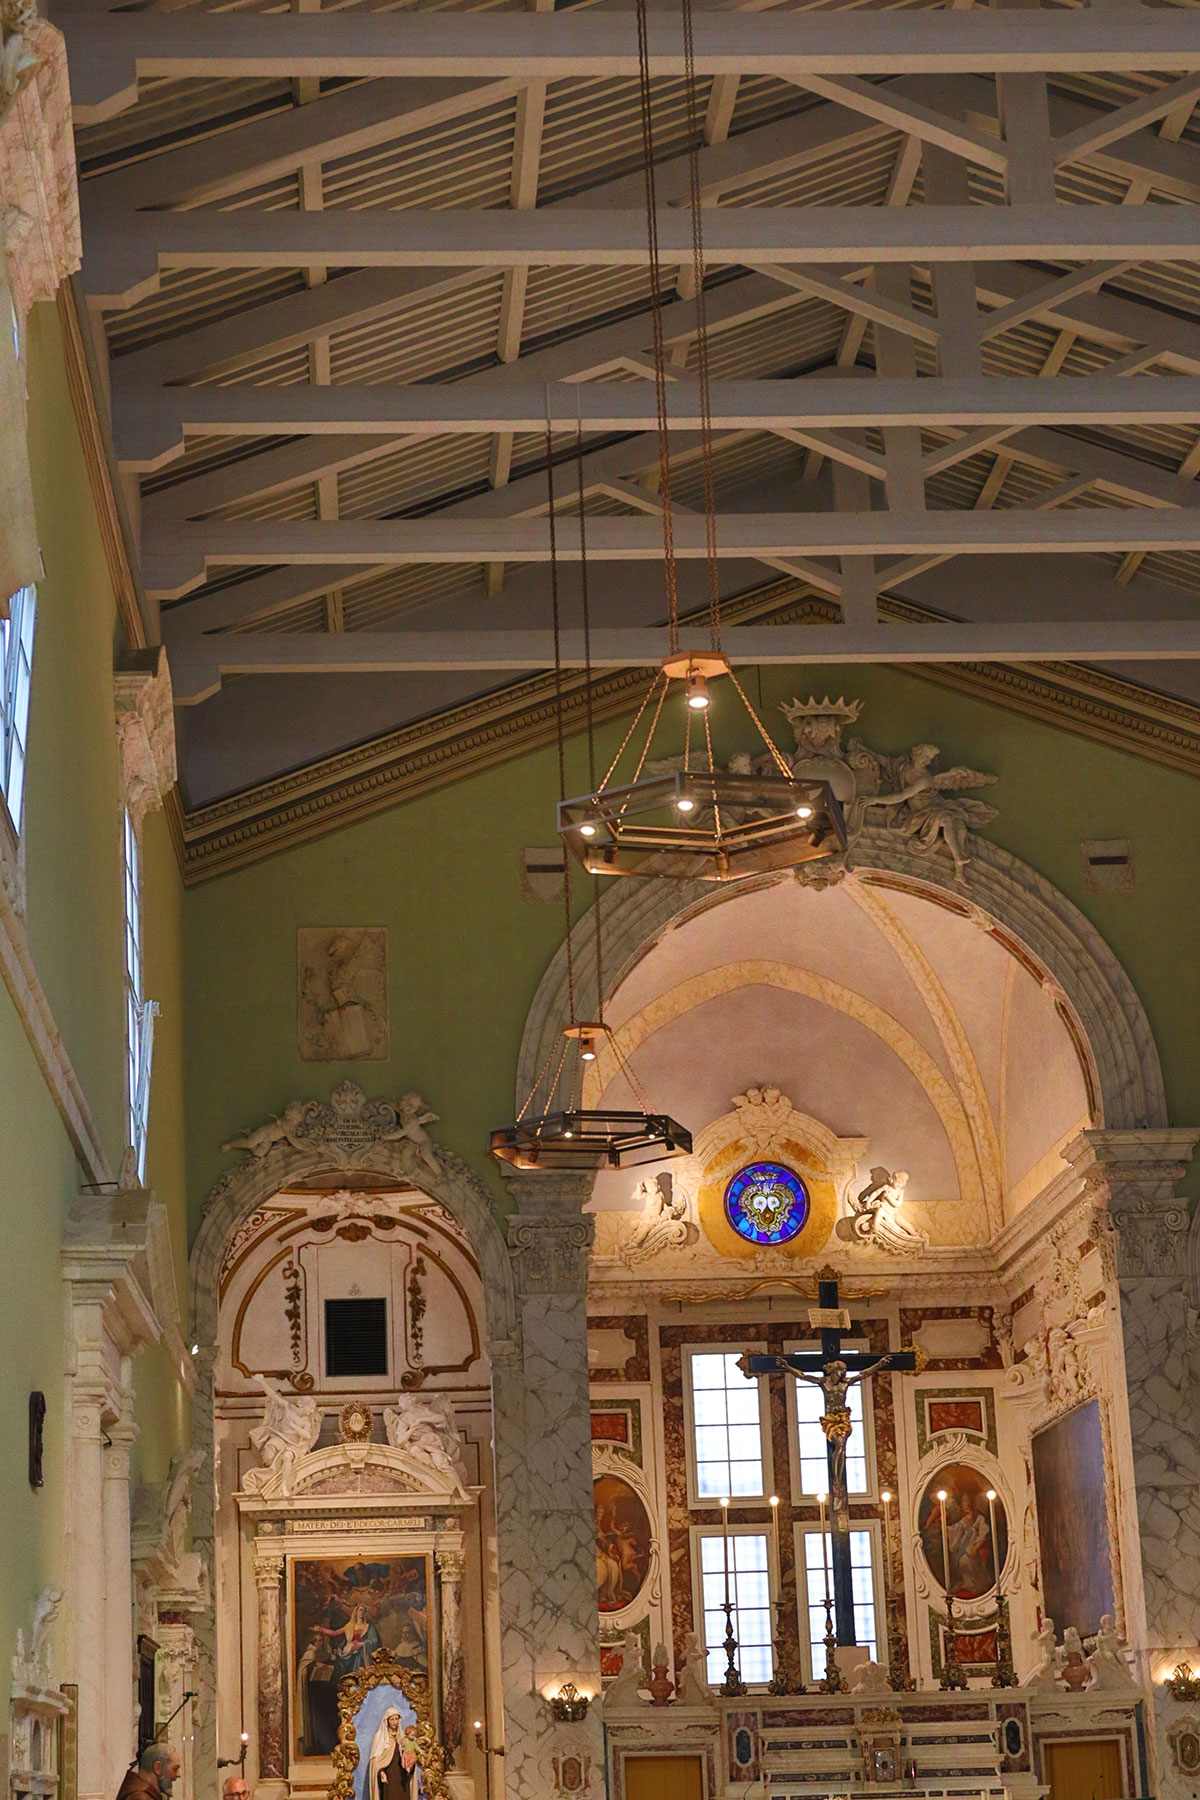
x,y
16,666
750,1592
727,1427
862,1587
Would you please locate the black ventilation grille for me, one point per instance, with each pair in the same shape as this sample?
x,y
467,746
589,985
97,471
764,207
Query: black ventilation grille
x,y
356,1337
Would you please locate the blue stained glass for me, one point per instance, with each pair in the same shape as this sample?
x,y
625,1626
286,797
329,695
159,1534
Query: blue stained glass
x,y
766,1203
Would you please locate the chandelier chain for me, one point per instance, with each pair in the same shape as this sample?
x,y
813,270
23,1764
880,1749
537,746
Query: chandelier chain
x,y
585,599
656,315
702,359
558,697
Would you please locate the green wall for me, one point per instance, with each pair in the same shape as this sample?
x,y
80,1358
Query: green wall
x,y
72,848
466,953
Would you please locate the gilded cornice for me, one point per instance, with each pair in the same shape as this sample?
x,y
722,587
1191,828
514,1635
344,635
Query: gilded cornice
x,y
482,733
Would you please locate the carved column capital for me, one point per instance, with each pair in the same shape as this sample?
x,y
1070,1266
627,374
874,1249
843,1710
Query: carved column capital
x,y
268,1563
451,1564
1133,1176
549,1235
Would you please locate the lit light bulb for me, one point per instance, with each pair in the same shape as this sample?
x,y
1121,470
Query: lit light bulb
x,y
697,691
568,1134
683,804
195,1349
588,831
804,812
587,1047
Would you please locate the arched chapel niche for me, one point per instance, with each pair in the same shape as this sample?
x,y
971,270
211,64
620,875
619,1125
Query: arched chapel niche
x,y
345,1334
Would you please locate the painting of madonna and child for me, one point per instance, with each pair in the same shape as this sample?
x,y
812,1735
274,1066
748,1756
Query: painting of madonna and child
x,y
344,1609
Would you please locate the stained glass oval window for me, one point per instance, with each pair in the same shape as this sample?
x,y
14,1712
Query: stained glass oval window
x,y
766,1203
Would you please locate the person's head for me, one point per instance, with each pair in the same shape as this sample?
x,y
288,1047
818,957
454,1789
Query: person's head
x,y
236,1787
359,1615
392,1720
161,1761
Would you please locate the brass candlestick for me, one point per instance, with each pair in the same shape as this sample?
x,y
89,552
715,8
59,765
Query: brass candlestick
x,y
1005,1675
788,1677
833,1683
952,1675
733,1687
899,1678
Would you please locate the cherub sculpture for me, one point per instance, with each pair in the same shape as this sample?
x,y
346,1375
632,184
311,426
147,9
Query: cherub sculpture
x,y
925,806
875,1215
414,1116
634,1676
423,1425
1044,1673
260,1140
693,1688
290,1427
1107,1663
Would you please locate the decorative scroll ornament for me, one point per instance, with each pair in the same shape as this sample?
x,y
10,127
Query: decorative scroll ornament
x,y
384,1671
347,1127
146,732
875,1216
908,794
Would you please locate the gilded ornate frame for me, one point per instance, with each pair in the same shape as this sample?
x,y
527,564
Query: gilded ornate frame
x,y
384,1671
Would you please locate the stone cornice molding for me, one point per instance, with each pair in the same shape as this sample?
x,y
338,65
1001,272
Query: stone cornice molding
x,y
342,1477
1032,919
145,731
116,1253
352,1134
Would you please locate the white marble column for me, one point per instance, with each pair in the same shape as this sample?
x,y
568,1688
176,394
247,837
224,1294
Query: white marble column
x,y
177,1651
87,1613
1135,1174
546,1526
268,1577
119,1691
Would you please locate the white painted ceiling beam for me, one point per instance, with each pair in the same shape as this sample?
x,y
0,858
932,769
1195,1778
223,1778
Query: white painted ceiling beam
x,y
175,559
198,664
122,260
813,402
109,53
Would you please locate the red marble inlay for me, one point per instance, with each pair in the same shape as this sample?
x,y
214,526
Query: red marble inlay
x,y
611,1427
956,1415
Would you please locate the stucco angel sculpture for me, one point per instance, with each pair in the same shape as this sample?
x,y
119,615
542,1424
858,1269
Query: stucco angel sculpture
x,y
1044,1673
260,1140
875,1215
1107,1663
290,1427
414,1116
662,1223
423,1425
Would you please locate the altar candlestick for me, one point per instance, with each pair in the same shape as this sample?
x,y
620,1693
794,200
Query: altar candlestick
x,y
775,1527
821,1498
991,1500
942,1498
887,1524
725,1544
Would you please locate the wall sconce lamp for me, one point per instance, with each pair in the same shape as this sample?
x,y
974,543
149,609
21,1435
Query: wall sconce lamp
x,y
569,1705
482,1745
1183,1685
238,1761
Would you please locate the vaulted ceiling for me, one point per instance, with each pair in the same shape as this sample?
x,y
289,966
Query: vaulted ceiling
x,y
347,260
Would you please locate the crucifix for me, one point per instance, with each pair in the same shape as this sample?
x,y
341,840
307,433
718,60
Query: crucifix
x,y
835,1371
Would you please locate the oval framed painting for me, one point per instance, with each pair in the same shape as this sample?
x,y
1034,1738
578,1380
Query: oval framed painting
x,y
974,1559
624,1543
767,1203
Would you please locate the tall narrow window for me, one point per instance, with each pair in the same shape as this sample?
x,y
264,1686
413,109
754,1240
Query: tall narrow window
x,y
727,1426
814,1475
750,1593
16,668
862,1570
139,1012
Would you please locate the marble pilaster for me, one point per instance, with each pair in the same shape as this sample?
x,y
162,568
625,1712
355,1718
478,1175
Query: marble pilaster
x,y
120,1691
268,1579
87,1594
450,1574
549,1619
1134,1176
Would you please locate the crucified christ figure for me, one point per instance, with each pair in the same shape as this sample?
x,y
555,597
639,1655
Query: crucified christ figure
x,y
835,1382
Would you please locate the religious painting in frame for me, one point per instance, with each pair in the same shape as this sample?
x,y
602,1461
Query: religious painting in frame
x,y
968,1530
1070,1484
387,1746
344,1611
624,1543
